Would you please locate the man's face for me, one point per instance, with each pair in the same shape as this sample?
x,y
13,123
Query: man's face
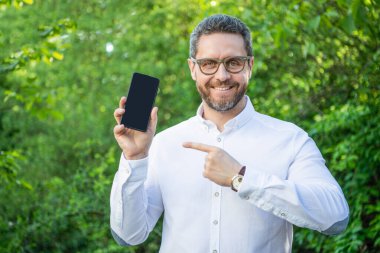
x,y
222,90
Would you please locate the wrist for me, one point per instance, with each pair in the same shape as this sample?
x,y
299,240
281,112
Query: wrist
x,y
135,156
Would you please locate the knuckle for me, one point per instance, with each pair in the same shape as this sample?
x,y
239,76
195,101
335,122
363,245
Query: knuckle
x,y
219,154
116,112
118,129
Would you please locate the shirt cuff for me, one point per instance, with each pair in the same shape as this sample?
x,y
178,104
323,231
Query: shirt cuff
x,y
134,170
254,188
252,184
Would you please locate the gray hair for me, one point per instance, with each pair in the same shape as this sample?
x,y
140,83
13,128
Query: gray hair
x,y
220,23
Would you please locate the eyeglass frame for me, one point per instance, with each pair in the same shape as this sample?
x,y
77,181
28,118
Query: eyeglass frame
x,y
219,61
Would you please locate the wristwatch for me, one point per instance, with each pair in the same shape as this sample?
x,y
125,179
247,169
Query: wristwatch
x,y
237,179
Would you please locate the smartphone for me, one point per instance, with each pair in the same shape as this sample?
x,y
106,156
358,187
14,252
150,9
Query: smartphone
x,y
140,100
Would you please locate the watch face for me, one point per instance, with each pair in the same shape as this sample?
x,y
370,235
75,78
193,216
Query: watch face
x,y
237,181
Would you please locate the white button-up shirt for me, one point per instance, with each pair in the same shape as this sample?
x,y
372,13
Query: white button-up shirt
x,y
286,182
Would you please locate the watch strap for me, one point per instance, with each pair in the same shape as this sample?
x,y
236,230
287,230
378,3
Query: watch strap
x,y
239,177
242,171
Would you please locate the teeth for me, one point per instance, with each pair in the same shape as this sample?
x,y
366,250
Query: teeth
x,y
222,88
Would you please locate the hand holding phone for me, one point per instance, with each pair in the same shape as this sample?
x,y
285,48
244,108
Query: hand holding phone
x,y
135,135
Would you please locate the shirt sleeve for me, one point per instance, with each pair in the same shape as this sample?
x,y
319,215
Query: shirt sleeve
x,y
135,201
309,197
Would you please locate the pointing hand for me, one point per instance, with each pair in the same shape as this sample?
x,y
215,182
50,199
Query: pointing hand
x,y
219,166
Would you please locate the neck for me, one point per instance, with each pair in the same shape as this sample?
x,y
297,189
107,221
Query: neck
x,y
220,118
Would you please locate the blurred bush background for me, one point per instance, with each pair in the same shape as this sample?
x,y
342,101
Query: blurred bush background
x,y
65,64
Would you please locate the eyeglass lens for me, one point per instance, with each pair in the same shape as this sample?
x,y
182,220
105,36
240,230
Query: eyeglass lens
x,y
233,65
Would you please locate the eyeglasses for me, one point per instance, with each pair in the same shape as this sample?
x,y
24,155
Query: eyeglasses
x,y
210,66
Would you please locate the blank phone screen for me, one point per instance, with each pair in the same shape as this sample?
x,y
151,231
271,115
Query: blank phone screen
x,y
140,100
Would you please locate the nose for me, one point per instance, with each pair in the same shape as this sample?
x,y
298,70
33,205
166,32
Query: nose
x,y
222,74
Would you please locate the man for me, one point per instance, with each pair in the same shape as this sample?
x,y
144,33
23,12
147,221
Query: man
x,y
228,179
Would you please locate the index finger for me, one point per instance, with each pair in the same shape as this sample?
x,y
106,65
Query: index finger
x,y
122,102
199,146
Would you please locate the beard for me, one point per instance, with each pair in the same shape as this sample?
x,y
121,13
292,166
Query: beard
x,y
224,104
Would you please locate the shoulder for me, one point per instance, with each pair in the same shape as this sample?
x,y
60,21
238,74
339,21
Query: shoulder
x,y
274,124
279,130
283,132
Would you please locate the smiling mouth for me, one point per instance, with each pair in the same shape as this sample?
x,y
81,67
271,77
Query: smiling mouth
x,y
222,88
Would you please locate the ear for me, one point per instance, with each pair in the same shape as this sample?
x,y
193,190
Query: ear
x,y
251,62
192,69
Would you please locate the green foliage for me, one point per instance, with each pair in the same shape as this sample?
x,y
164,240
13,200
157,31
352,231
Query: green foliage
x,y
9,169
316,64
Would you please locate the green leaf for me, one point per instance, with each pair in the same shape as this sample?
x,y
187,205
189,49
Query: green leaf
x,y
8,68
355,5
308,49
313,24
348,24
45,32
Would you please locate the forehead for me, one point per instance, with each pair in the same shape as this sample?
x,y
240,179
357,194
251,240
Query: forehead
x,y
220,45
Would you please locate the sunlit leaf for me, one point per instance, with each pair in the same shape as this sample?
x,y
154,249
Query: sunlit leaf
x,y
58,55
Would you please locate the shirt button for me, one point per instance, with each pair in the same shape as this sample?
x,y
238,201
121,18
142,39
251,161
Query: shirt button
x,y
214,251
283,214
215,222
216,194
219,139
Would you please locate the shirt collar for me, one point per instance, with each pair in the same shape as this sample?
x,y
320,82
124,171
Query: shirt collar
x,y
234,123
